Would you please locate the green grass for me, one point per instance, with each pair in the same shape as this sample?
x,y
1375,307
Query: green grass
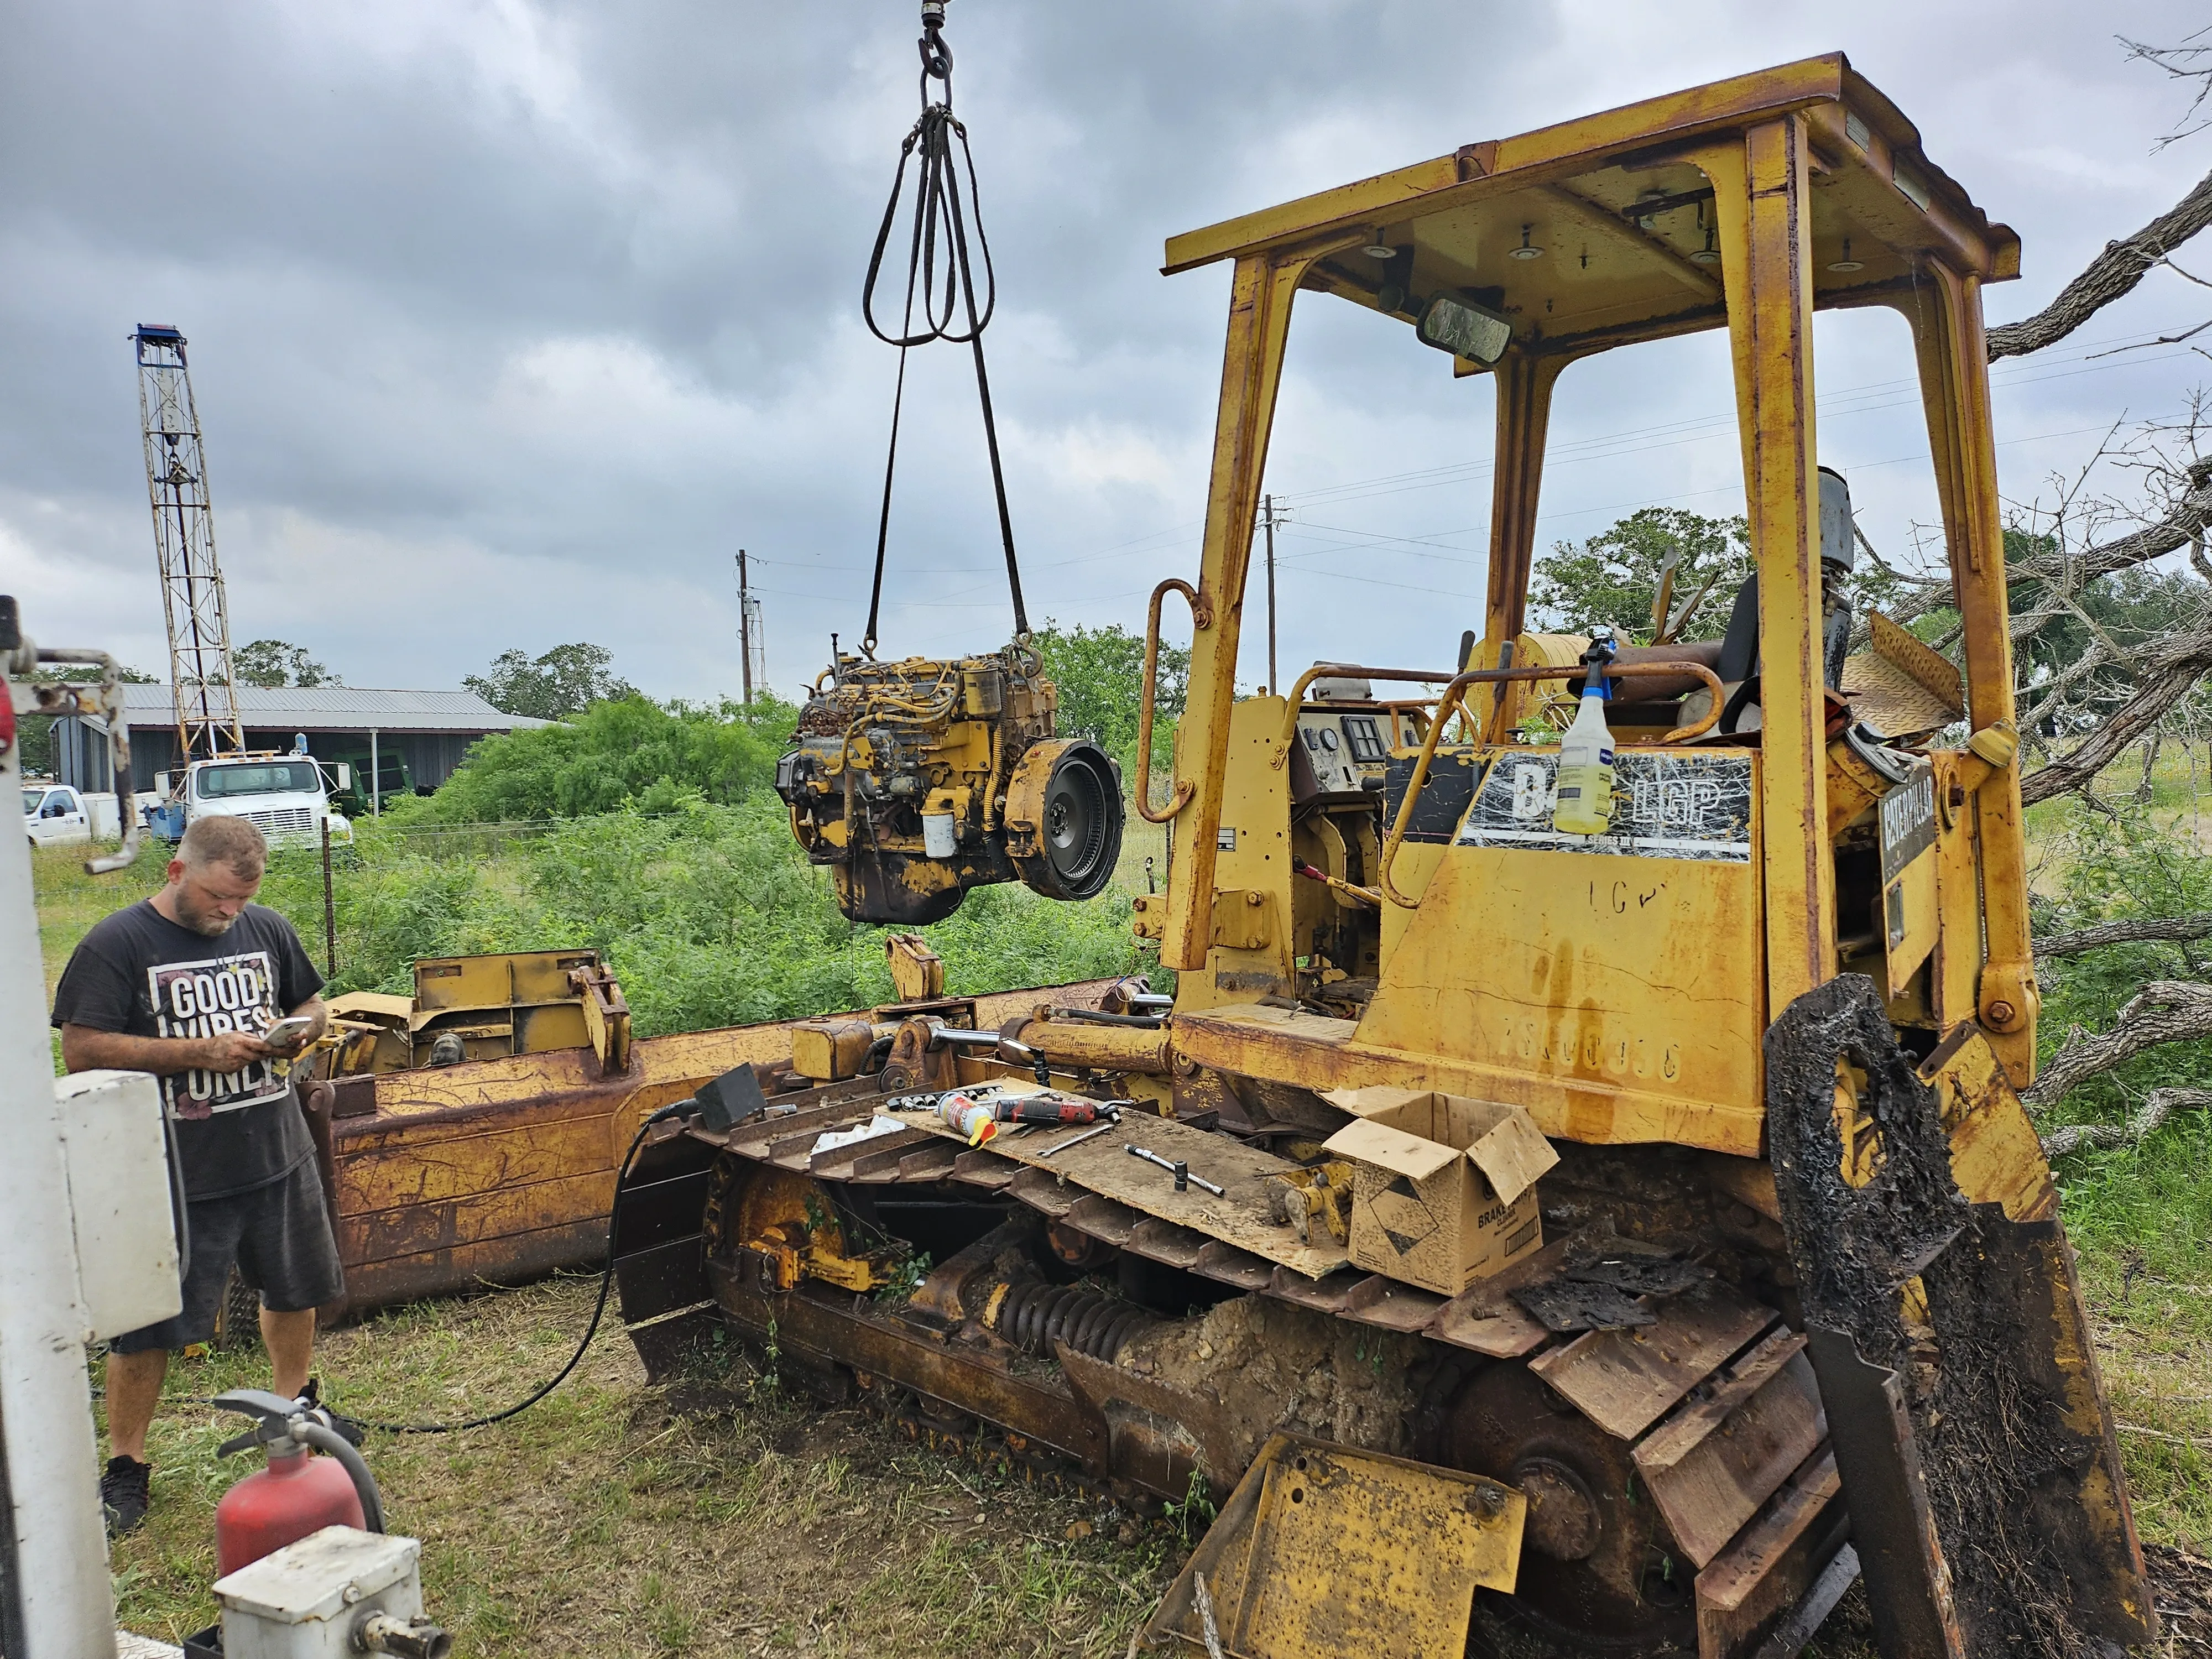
x,y
615,1518
708,915
712,1516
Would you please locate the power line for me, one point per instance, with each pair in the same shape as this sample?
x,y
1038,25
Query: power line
x,y
1605,447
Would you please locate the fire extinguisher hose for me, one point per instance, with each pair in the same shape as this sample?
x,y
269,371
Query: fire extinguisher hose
x,y
364,1484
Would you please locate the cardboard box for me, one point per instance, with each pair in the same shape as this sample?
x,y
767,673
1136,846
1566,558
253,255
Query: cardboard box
x,y
1445,1187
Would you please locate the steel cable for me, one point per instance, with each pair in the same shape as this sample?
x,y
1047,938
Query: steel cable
x,y
940,272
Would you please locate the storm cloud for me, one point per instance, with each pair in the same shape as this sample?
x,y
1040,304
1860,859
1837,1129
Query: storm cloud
x,y
511,323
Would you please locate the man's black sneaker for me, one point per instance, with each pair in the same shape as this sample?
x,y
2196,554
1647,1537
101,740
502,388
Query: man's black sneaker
x,y
124,1492
345,1427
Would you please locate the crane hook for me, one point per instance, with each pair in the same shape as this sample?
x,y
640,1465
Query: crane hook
x,y
936,56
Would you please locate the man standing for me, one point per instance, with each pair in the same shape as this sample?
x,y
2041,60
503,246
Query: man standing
x,y
181,985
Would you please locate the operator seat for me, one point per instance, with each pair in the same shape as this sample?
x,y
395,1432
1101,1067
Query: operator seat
x,y
1733,658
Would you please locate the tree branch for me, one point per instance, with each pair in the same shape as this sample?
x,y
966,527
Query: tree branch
x,y
2159,1105
2183,523
2109,276
2165,1010
2136,931
2171,670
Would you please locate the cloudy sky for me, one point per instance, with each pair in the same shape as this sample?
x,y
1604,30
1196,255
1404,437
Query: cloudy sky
x,y
511,323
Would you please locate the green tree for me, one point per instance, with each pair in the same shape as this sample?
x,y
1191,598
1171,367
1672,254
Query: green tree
x,y
566,680
278,663
1100,673
1613,577
627,753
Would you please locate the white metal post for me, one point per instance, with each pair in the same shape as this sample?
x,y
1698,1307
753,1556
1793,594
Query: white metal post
x,y
53,1463
375,778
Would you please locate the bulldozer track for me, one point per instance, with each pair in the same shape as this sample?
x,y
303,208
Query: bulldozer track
x,y
1680,1482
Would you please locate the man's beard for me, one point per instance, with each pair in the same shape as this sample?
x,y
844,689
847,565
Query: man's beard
x,y
208,924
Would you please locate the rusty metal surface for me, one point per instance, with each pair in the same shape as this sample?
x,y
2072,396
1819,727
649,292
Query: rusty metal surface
x,y
1592,1577
1326,1550
1977,1452
1713,1463
1243,1216
1624,1381
494,1171
839,1335
1774,1574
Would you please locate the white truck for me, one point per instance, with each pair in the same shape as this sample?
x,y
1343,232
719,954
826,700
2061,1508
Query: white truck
x,y
286,797
55,814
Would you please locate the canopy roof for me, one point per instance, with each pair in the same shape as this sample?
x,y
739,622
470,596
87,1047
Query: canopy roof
x,y
1620,217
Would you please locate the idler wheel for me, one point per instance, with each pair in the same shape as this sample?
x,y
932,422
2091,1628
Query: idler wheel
x,y
1599,1574
1562,1515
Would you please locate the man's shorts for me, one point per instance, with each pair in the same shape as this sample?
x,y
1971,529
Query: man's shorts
x,y
279,1235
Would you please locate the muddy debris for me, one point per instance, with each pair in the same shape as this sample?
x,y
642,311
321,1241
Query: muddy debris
x,y
1273,1366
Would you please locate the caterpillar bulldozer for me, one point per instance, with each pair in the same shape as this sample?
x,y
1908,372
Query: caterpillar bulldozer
x,y
1533,1240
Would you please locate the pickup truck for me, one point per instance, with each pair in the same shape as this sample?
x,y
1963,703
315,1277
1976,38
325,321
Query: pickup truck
x,y
286,797
54,813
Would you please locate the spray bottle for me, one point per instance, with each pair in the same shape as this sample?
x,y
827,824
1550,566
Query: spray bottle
x,y
1584,805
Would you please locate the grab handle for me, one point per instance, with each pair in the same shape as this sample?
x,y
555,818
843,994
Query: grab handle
x,y
1202,616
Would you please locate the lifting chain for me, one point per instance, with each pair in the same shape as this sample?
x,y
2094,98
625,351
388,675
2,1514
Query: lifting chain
x,y
940,274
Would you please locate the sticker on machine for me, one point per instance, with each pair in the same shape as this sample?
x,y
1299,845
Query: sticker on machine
x,y
1664,807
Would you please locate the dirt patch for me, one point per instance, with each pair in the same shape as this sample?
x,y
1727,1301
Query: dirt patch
x,y
2181,1583
1271,1366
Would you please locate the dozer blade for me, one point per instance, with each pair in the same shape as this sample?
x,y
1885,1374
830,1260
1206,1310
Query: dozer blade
x,y
1325,1552
1978,1455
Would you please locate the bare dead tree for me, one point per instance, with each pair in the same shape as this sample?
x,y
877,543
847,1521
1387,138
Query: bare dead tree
x,y
2190,61
2171,671
2115,273
2112,275
2165,1010
2158,1105
2135,930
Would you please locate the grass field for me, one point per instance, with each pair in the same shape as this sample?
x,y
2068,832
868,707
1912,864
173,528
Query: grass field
x,y
716,1516
713,1516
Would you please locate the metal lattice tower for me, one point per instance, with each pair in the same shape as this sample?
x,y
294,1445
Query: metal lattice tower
x,y
204,690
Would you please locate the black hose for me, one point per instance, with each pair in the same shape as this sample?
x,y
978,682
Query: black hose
x,y
598,1308
364,1484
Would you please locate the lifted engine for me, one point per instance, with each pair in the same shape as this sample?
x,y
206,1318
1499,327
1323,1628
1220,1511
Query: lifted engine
x,y
915,781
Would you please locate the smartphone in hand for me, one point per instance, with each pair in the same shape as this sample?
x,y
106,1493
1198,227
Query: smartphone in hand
x,y
288,1033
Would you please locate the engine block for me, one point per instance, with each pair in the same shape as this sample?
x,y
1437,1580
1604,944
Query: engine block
x,y
914,781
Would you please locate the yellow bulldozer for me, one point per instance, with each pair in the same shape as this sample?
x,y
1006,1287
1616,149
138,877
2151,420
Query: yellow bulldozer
x,y
1550,1215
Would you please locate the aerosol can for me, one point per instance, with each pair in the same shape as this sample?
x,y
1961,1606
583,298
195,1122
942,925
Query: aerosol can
x,y
1584,804
297,1493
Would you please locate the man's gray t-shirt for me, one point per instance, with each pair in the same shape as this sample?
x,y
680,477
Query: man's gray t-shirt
x,y
138,972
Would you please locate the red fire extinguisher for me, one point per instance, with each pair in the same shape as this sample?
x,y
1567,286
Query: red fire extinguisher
x,y
298,1493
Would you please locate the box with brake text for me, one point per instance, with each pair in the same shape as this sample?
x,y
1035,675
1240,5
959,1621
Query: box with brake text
x,y
1444,1191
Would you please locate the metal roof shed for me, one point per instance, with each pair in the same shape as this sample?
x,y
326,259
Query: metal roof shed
x,y
419,736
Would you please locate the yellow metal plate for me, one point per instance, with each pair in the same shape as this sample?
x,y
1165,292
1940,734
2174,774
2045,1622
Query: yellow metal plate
x,y
1616,999
1326,1552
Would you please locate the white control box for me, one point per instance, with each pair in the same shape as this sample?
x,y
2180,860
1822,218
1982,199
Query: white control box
x,y
116,1148
315,1599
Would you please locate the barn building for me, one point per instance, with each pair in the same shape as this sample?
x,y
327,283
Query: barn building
x,y
408,741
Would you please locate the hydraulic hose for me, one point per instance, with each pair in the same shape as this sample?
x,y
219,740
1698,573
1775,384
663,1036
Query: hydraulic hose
x,y
314,1434
598,1308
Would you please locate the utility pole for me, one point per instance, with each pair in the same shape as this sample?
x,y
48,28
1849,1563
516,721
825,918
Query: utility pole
x,y
744,629
1268,518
